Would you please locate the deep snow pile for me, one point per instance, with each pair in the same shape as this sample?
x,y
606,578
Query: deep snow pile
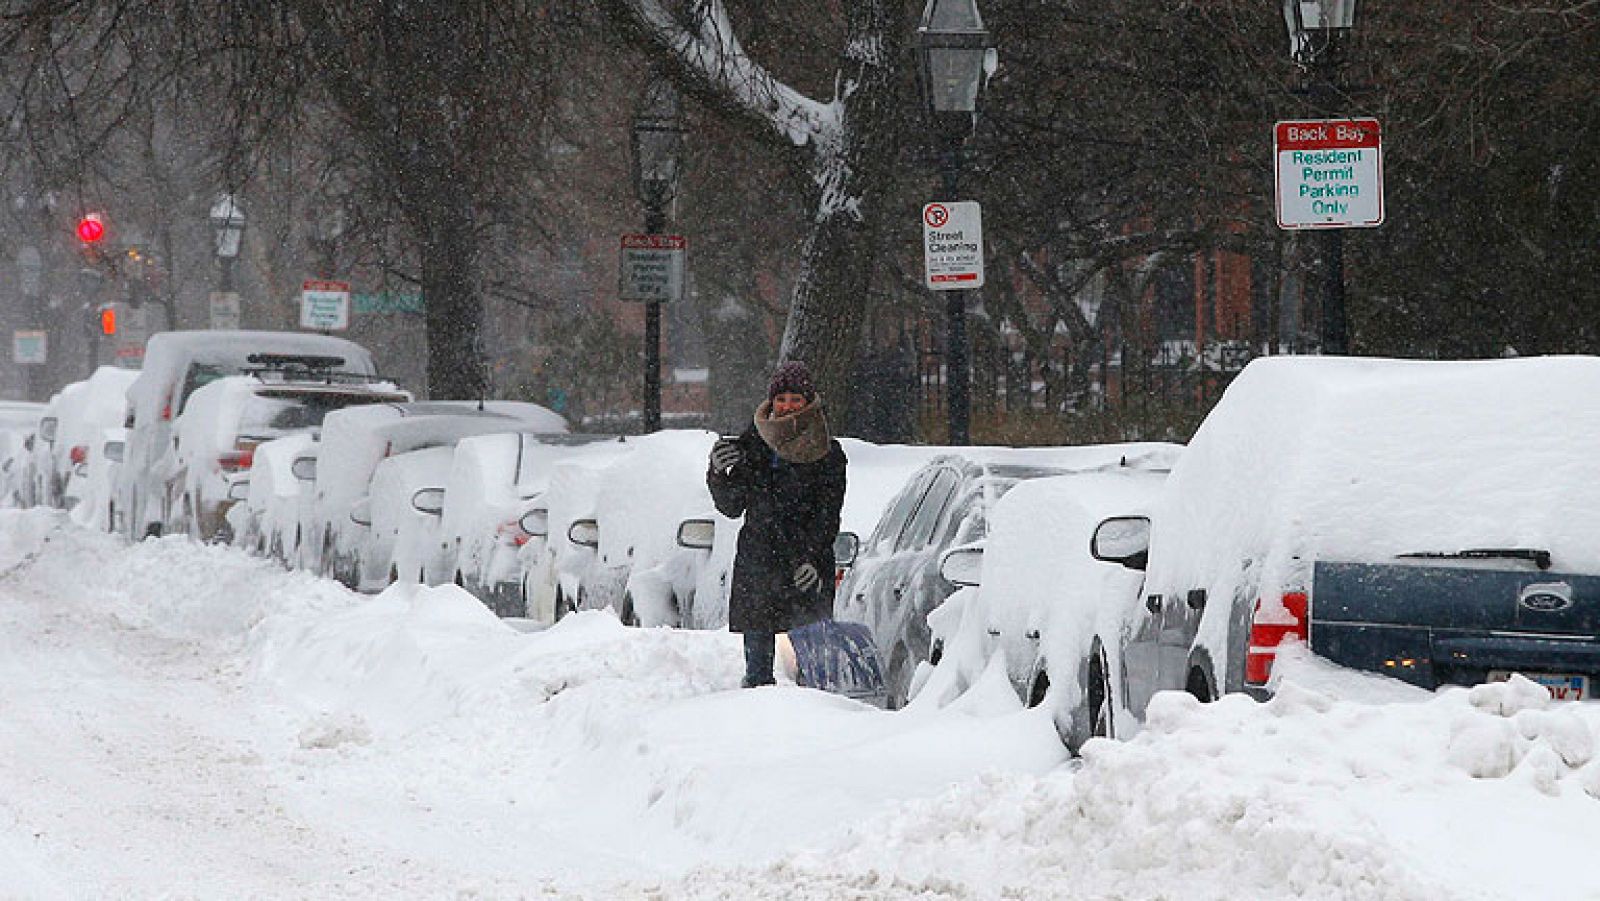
x,y
183,720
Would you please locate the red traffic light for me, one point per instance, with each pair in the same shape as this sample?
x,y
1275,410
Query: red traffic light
x,y
108,320
91,229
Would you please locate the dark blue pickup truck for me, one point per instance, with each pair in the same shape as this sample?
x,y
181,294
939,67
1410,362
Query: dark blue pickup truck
x,y
1460,619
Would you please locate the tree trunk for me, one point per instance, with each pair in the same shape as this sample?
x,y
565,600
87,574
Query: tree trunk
x,y
450,257
831,294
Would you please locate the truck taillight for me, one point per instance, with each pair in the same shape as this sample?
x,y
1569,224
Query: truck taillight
x,y
1268,628
236,460
79,454
512,531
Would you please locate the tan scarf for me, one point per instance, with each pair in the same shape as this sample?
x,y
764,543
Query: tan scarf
x,y
800,437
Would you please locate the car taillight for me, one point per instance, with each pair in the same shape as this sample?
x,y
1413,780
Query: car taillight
x,y
236,460
513,531
1269,626
79,454
166,411
838,576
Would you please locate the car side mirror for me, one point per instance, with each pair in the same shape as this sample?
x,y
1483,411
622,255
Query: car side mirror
x,y
536,522
697,534
1124,540
47,429
846,547
584,533
963,565
113,451
428,500
361,513
239,489
304,468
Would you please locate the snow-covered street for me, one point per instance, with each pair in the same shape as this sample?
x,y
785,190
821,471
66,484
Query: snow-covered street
x,y
180,720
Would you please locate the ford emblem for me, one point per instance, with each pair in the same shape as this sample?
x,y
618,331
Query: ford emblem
x,y
1546,597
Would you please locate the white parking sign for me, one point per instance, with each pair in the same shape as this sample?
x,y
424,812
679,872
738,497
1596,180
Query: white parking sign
x,y
952,245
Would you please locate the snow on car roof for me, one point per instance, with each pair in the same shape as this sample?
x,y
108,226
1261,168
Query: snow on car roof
x,y
169,354
1363,459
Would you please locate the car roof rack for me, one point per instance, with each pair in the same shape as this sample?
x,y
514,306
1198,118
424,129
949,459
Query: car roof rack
x,y
304,368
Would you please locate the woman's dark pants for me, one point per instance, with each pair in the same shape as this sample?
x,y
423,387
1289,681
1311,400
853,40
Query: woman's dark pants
x,y
759,648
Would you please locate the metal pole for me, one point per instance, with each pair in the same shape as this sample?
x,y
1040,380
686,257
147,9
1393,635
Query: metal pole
x,y
1335,338
655,222
958,405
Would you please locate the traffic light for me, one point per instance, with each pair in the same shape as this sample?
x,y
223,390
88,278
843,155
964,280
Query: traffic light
x,y
108,320
90,228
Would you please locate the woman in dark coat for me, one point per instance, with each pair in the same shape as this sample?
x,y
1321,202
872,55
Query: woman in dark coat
x,y
785,475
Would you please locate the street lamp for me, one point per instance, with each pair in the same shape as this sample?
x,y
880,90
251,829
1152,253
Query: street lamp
x,y
657,148
1318,32
953,48
227,217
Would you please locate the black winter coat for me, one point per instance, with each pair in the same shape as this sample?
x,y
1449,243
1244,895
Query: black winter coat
x,y
791,516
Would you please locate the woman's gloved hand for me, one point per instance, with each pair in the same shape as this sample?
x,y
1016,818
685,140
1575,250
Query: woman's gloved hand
x,y
726,454
806,578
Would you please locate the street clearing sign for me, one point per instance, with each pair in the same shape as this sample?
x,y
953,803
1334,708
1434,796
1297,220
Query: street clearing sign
x,y
1329,173
30,347
652,267
325,306
952,245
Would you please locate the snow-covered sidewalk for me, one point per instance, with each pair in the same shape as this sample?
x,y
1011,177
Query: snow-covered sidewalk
x,y
185,721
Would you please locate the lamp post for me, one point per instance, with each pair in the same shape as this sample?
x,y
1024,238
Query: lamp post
x,y
953,47
227,217
1318,32
657,146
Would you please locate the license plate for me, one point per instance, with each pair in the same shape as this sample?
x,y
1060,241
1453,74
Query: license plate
x,y
1562,686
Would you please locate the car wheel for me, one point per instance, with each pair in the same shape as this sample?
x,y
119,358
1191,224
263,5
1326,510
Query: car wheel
x,y
897,681
1199,685
563,607
1040,688
630,617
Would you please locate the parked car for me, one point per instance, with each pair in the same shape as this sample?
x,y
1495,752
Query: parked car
x,y
1434,522
554,565
895,579
494,482
405,500
215,437
267,521
19,423
93,480
176,365
1034,597
87,409
355,440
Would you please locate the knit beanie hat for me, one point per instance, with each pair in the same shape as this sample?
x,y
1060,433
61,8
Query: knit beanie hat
x,y
792,378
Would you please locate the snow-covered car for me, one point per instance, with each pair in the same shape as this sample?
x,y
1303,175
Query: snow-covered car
x,y
494,482
355,440
709,541
554,565
1430,521
267,521
176,364
1034,596
644,495
92,481
215,437
403,506
895,580
19,423
93,405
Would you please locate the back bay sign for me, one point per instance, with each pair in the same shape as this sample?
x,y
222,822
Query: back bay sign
x,y
1329,173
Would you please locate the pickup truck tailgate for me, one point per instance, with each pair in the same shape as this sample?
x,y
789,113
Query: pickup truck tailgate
x,y
1432,624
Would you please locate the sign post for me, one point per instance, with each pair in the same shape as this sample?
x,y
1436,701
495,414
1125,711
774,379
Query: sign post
x,y
325,305
225,310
